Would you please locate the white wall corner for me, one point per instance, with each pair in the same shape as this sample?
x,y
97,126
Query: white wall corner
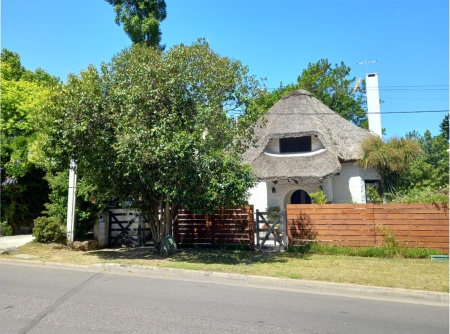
x,y
258,196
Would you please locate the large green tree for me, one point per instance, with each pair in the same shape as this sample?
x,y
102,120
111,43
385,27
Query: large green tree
x,y
333,86
153,126
23,92
431,168
141,19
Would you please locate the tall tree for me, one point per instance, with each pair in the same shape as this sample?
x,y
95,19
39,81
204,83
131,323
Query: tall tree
x,y
431,168
141,19
23,187
444,127
333,86
153,126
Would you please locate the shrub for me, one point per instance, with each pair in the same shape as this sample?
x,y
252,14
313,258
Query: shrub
x,y
373,194
273,212
319,197
426,195
48,229
7,229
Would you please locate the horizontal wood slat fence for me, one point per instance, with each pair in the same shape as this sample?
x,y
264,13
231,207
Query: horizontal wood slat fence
x,y
357,225
223,227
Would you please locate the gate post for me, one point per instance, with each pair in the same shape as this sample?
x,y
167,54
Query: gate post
x,y
101,229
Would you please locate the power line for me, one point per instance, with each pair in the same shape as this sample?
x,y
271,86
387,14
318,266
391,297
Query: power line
x,y
396,87
367,113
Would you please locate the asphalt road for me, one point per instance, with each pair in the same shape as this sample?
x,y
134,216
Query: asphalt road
x,y
52,299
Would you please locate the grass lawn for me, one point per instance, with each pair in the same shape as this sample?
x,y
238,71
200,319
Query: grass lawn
x,y
418,274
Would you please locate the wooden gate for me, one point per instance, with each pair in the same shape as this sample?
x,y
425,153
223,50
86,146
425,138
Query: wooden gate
x,y
271,230
128,228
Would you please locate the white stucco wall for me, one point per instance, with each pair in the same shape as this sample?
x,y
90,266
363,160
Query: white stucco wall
x,y
349,186
262,196
258,197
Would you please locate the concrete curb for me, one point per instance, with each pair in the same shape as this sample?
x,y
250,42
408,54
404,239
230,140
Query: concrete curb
x,y
260,282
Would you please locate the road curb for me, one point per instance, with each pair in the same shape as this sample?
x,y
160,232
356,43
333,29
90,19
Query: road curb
x,y
261,282
285,284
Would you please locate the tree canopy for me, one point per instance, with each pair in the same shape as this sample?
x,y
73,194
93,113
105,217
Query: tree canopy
x,y
141,19
23,93
431,168
389,158
153,126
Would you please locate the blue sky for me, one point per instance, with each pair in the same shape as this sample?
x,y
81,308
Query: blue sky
x,y
276,39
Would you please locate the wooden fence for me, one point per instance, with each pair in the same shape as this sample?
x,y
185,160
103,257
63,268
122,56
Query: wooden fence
x,y
224,227
356,225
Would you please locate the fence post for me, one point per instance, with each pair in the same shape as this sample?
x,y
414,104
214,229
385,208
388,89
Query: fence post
x,y
210,221
257,226
251,227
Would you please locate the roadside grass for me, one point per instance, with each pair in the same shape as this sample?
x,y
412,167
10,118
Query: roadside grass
x,y
393,272
385,251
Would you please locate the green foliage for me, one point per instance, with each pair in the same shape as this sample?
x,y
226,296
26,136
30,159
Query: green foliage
x,y
422,195
23,92
48,229
88,205
389,236
389,158
141,19
153,126
273,212
373,194
430,169
319,197
331,85
7,229
444,127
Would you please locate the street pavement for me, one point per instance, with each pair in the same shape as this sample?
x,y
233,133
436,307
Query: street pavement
x,y
45,299
315,287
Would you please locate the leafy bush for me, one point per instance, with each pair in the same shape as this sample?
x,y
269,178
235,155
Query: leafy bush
x,y
7,229
273,212
426,195
319,197
373,194
87,205
48,229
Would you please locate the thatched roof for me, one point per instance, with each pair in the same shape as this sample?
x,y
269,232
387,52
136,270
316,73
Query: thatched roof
x,y
300,114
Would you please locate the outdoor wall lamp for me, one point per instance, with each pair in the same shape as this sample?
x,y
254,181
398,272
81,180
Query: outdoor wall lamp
x,y
273,189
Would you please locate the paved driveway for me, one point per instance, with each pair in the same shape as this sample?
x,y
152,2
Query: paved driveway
x,y
15,241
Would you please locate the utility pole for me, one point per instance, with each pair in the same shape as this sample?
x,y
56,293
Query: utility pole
x,y
71,202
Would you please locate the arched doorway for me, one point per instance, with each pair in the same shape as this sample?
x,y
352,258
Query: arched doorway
x,y
300,197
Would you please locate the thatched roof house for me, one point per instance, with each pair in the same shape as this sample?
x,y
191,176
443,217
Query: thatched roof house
x,y
299,114
301,139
